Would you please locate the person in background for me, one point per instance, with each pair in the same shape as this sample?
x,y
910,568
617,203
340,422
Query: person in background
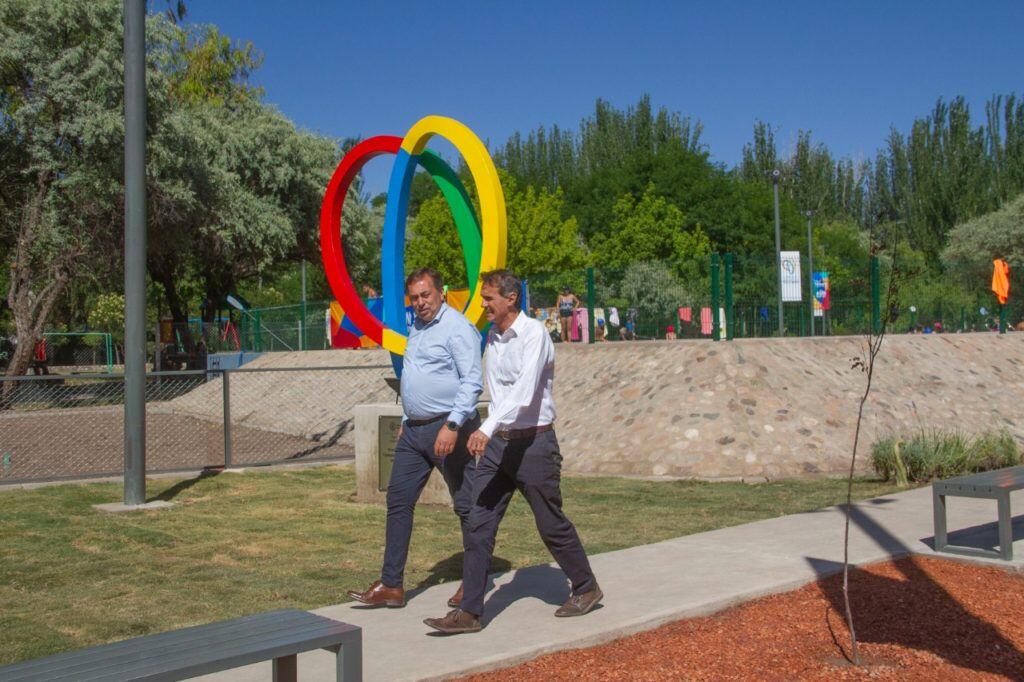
x,y
670,333
39,358
600,331
567,303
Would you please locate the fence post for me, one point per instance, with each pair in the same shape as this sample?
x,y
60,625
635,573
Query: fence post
x,y
110,352
226,387
716,326
302,325
876,296
590,304
1002,318
729,316
257,332
963,319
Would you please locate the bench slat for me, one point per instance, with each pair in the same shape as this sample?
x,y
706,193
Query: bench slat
x,y
1008,479
188,637
177,668
190,651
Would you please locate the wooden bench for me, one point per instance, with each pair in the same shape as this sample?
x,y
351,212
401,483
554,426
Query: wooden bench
x,y
991,485
189,652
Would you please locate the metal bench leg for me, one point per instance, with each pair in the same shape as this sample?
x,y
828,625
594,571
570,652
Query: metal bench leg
x,y
286,669
939,512
1005,528
349,661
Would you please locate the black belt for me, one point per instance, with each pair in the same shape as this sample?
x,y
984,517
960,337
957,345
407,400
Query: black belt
x,y
424,422
529,432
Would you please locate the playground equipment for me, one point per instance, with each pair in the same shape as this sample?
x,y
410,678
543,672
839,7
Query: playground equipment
x,y
484,244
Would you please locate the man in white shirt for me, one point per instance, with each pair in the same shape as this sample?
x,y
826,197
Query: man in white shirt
x,y
517,450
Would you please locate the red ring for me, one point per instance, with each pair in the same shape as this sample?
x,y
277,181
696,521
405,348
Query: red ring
x,y
331,250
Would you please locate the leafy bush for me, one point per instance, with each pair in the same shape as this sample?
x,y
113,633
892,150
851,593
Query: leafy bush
x,y
939,454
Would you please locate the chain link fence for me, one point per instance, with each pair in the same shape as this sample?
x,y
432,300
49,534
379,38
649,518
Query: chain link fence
x,y
54,427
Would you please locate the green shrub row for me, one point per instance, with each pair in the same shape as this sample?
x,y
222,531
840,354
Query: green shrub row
x,y
938,454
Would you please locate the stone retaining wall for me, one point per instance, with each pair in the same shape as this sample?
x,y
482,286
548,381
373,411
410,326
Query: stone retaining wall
x,y
753,408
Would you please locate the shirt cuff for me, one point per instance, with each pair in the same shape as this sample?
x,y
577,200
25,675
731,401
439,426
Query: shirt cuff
x,y
458,417
489,426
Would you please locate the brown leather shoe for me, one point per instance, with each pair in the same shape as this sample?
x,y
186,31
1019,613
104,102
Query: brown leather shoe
x,y
580,604
456,600
380,595
455,623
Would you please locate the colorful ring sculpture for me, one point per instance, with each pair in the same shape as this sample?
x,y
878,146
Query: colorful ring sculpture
x,y
484,247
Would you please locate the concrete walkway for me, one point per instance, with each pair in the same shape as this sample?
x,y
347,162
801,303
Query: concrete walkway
x,y
647,586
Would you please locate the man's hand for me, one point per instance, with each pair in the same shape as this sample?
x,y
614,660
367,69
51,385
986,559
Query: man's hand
x,y
477,443
445,442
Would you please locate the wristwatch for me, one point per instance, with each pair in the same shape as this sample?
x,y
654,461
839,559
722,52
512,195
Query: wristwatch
x,y
451,426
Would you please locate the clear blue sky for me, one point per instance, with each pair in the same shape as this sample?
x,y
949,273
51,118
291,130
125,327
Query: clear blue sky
x,y
847,71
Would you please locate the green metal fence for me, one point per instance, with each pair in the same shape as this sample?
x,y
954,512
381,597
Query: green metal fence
x,y
723,297
287,327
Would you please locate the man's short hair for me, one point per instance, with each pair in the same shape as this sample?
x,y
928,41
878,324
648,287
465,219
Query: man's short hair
x,y
417,275
505,282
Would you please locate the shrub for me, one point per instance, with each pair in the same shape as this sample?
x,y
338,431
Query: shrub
x,y
939,454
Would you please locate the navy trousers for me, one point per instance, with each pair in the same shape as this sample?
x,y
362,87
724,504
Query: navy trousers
x,y
533,466
414,461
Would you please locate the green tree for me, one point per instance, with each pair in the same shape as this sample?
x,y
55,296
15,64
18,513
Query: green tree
x,y
651,229
539,238
60,120
107,314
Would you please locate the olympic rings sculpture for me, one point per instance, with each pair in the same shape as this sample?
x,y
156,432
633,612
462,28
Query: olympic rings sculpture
x,y
484,245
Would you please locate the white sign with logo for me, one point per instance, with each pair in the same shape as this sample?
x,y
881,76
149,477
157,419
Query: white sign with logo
x,y
791,276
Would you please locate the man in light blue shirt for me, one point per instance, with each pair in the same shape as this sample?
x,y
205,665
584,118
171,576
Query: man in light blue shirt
x,y
441,383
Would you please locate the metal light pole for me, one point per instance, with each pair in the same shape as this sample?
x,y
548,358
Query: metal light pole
x,y
778,243
810,268
134,252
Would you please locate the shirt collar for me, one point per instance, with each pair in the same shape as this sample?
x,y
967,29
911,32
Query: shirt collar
x,y
516,328
420,324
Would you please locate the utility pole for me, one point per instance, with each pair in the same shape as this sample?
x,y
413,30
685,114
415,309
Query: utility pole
x,y
134,252
778,244
810,268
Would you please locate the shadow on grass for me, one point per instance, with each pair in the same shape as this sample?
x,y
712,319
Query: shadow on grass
x,y
182,486
916,613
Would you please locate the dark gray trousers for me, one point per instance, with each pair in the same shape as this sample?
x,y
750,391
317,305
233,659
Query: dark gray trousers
x,y
533,466
414,460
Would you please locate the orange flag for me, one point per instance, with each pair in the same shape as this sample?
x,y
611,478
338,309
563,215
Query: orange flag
x,y
1001,280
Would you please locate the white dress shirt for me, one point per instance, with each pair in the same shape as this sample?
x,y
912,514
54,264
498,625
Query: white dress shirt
x,y
520,368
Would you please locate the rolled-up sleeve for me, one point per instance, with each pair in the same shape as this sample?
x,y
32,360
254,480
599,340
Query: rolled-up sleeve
x,y
464,345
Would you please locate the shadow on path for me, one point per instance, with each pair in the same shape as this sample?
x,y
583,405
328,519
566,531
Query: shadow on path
x,y
889,611
984,536
546,583
450,571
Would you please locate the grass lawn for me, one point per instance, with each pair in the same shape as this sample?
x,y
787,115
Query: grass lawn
x,y
238,544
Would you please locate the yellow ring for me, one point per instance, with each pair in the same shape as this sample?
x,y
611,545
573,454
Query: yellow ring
x,y
493,220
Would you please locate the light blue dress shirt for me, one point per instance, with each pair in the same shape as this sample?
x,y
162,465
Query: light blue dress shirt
x,y
441,369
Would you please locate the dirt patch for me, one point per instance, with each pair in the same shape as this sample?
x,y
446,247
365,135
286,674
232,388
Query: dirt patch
x,y
916,619
90,441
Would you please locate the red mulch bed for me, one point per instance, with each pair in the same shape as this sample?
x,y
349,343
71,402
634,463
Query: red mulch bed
x,y
916,619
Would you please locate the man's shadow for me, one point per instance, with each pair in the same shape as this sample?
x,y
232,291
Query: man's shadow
x,y
889,611
546,583
450,571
